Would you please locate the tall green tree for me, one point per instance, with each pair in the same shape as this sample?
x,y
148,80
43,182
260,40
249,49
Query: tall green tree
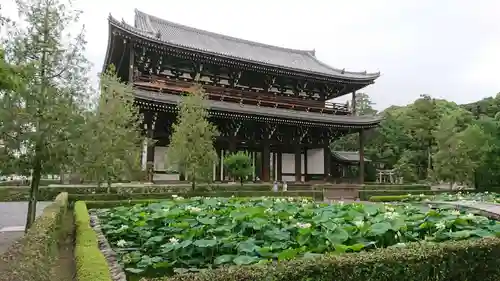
x,y
39,119
191,150
350,142
111,144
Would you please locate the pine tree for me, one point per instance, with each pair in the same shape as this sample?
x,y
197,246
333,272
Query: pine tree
x,y
191,148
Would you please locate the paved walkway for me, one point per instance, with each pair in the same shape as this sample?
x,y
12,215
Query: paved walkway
x,y
12,221
491,210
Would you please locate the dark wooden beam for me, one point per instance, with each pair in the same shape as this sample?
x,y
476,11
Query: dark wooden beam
x,y
298,163
266,155
361,157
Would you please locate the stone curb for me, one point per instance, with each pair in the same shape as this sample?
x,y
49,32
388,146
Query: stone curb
x,y
116,270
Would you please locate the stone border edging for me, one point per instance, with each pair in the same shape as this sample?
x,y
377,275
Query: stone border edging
x,y
485,209
116,270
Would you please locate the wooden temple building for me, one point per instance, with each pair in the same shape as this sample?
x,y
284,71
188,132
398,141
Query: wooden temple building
x,y
267,100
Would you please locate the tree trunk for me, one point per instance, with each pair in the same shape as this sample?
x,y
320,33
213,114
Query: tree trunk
x,y
241,181
35,182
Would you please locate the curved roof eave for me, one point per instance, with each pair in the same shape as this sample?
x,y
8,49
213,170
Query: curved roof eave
x,y
367,78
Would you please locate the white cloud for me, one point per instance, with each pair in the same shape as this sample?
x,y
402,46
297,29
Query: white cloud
x,y
446,48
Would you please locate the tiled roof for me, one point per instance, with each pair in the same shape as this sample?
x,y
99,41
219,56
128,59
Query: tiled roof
x,y
235,48
281,113
348,156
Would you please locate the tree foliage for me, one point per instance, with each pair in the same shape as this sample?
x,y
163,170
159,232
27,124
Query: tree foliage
x,y
111,144
191,150
437,140
39,119
239,165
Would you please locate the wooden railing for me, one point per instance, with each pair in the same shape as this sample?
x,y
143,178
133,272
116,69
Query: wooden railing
x,y
152,83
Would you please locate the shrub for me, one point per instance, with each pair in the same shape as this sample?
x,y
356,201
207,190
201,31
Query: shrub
x,y
32,257
239,165
366,194
90,262
144,196
396,187
457,260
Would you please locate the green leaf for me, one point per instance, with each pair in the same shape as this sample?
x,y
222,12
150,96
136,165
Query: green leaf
x,y
380,228
207,221
244,260
134,270
205,243
224,259
338,236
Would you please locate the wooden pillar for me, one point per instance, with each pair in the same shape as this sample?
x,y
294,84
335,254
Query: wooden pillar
x,y
327,161
232,145
266,159
279,165
353,103
298,163
305,164
131,63
361,157
221,160
150,153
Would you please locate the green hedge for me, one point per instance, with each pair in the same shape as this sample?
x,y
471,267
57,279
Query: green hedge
x,y
394,198
396,187
91,265
458,260
367,194
144,196
34,255
21,193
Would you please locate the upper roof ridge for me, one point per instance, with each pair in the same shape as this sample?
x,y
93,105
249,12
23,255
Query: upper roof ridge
x,y
215,34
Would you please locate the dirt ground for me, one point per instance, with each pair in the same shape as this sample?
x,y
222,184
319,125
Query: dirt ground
x,y
65,269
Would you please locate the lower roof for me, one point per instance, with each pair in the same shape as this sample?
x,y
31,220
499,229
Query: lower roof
x,y
268,112
348,156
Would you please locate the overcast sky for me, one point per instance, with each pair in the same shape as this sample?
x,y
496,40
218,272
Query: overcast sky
x,y
445,48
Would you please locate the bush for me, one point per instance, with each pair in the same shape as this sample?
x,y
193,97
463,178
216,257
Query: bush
x,y
239,165
396,187
457,260
367,194
91,265
145,196
21,193
32,257
393,198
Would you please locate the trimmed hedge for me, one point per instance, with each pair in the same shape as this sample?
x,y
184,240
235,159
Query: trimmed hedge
x,y
91,265
145,196
33,257
393,198
457,260
396,187
367,194
21,193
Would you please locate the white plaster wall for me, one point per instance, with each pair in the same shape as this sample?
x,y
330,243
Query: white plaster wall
x,y
288,166
287,163
160,157
144,155
315,161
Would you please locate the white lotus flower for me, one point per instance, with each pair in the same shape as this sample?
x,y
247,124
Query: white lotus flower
x,y
440,225
303,225
290,217
469,216
359,223
409,194
290,199
421,195
455,212
121,243
173,240
174,196
391,215
278,221
193,209
123,227
389,209
268,210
